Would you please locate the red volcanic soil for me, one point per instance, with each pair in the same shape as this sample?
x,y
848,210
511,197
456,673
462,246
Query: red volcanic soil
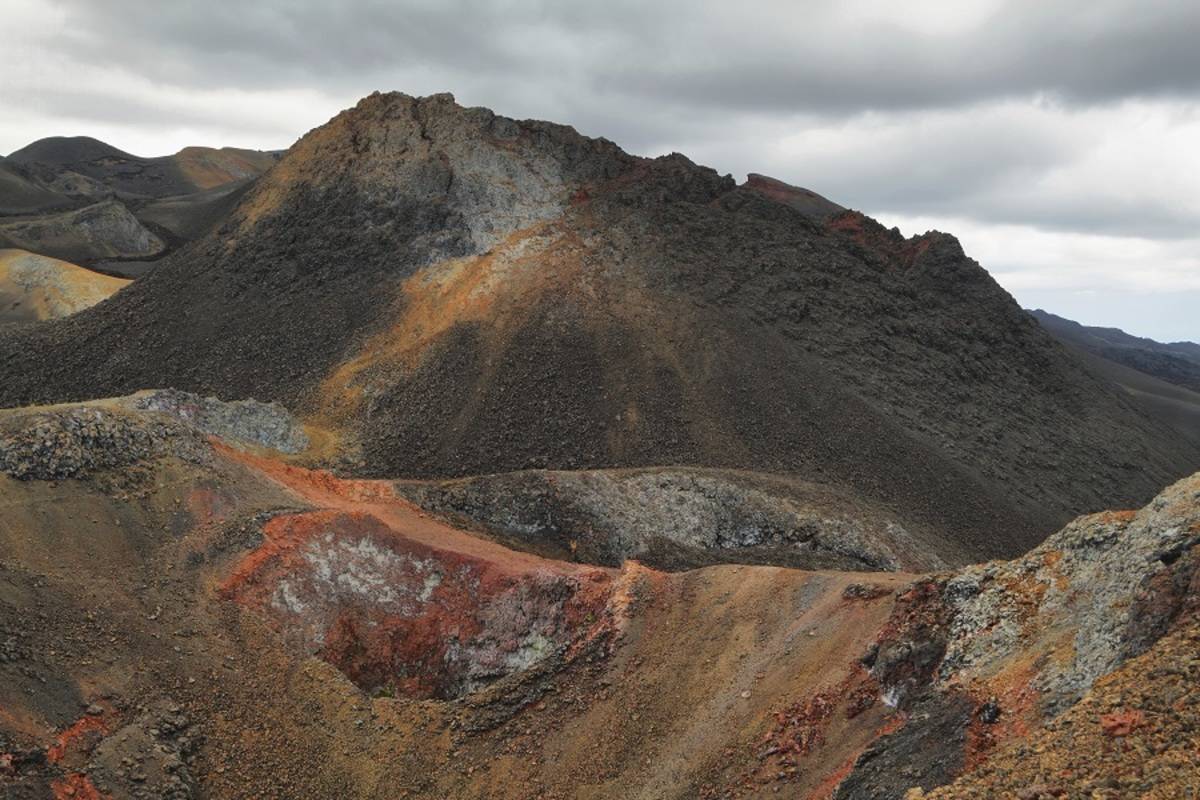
x,y
248,628
377,498
399,601
73,737
888,243
803,200
76,786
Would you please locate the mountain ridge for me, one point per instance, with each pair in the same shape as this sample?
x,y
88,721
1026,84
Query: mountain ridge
x,y
192,168
123,212
1174,362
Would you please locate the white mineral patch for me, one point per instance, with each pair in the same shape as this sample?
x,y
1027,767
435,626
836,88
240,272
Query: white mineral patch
x,y
285,598
362,569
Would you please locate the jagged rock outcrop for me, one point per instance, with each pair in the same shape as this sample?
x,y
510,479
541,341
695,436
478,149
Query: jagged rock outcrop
x,y
676,518
76,441
240,421
989,653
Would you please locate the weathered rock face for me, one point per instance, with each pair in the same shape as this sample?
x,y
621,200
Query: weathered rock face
x,y
402,617
238,421
674,518
454,293
74,442
1133,735
104,230
987,654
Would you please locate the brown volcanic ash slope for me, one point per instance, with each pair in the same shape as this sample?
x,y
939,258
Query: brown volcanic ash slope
x,y
457,293
181,618
34,287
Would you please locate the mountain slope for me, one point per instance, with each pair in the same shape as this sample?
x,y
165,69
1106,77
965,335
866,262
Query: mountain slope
x,y
448,292
20,195
34,287
1176,362
1158,376
184,613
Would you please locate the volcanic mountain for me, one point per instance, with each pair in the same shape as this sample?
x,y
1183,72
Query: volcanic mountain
x,y
1164,377
442,292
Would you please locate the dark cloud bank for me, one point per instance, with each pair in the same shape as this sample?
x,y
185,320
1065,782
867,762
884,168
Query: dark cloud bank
x,y
1062,119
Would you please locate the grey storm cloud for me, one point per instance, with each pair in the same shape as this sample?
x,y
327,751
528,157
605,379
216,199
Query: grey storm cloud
x,y
1073,117
703,54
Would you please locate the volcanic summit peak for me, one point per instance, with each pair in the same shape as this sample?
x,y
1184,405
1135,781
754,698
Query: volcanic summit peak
x,y
431,160
68,149
430,157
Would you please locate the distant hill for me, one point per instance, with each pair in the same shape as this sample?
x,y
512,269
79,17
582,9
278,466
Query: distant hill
x,y
190,170
1164,378
19,194
34,287
1174,362
155,204
68,149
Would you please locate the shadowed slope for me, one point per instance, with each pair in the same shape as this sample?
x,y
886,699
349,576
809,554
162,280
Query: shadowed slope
x,y
1173,362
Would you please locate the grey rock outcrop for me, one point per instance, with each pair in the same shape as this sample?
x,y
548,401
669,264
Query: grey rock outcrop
x,y
245,421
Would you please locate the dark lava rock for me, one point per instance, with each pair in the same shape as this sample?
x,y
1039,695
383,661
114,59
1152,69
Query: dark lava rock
x,y
75,442
926,752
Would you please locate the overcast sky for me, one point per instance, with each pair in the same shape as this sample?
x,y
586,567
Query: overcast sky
x,y
1058,139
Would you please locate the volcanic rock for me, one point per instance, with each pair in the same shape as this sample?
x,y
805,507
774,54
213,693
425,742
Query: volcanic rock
x,y
104,230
